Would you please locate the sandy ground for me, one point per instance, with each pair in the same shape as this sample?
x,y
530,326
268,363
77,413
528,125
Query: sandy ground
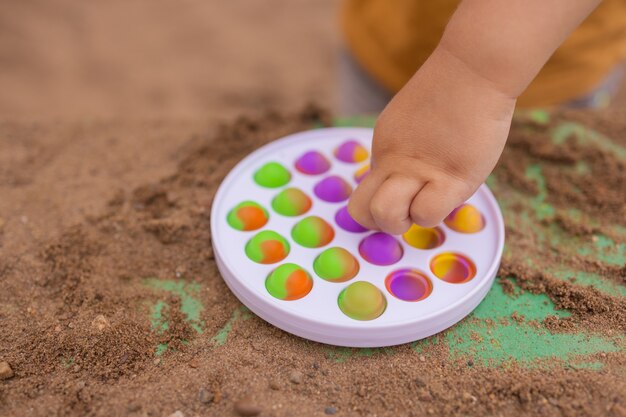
x,y
189,59
102,101
141,62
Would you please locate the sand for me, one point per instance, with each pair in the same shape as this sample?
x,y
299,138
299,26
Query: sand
x,y
80,332
111,149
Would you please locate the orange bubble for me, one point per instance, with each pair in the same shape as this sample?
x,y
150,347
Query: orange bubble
x,y
298,284
273,251
465,219
252,217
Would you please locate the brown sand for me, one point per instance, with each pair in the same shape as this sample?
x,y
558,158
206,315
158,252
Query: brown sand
x,y
109,158
75,327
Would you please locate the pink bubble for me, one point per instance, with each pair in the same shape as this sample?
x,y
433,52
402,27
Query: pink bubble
x,y
312,163
381,249
346,222
333,189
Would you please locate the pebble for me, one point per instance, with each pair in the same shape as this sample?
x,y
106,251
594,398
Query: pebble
x,y
469,397
5,371
247,408
470,363
295,377
422,359
274,385
133,407
193,364
204,396
177,413
157,361
100,323
330,410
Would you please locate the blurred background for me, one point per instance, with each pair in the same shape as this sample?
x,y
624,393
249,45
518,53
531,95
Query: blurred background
x,y
181,59
77,60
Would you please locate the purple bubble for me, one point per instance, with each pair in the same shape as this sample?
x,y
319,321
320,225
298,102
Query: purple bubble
x,y
312,163
351,151
408,284
381,249
333,189
347,223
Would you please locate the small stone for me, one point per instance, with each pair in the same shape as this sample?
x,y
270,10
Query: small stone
x,y
425,397
180,271
57,328
422,359
274,385
193,363
247,408
204,396
5,371
330,410
133,407
177,413
157,361
470,363
76,368
295,377
469,397
316,365
100,323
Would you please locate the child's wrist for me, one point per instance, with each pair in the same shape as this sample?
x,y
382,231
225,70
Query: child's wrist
x,y
455,64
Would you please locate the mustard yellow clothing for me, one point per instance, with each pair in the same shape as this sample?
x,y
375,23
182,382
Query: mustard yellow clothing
x,y
392,38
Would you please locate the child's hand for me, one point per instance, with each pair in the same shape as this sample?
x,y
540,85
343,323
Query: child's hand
x,y
443,133
434,144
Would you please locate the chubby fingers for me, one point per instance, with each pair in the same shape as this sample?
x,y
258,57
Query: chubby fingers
x,y
384,203
437,199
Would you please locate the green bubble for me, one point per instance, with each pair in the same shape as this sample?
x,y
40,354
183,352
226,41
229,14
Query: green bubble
x,y
289,282
291,202
267,247
336,265
362,301
312,232
247,215
272,175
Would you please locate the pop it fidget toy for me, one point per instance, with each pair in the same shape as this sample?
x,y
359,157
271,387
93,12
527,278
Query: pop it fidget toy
x,y
290,251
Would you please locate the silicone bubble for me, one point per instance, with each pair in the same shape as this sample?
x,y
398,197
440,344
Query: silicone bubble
x,y
247,216
453,267
289,282
272,175
336,265
408,284
312,163
333,189
291,202
312,232
362,301
360,173
381,249
351,151
424,237
465,219
346,222
267,247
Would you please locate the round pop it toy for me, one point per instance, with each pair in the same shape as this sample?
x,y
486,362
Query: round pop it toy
x,y
290,251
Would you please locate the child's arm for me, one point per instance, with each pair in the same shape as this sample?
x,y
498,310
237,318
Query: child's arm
x,y
442,134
